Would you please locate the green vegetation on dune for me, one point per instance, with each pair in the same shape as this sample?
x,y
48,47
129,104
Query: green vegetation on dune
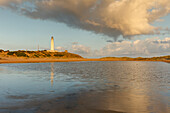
x,y
140,58
39,54
18,54
65,55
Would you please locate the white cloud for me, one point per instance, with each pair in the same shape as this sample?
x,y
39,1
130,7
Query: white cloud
x,y
109,17
80,49
59,48
76,48
145,48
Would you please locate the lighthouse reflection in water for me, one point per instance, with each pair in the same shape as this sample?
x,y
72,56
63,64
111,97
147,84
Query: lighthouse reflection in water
x,y
52,73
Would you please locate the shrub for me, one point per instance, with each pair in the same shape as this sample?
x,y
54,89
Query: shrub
x,y
30,52
36,55
21,54
1,50
58,55
48,55
10,53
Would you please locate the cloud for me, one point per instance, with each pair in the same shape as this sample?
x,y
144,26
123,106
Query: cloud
x,y
145,48
77,48
159,20
165,41
74,43
108,17
59,48
80,49
110,41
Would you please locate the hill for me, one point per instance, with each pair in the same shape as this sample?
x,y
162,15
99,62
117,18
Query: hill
x,y
38,54
44,56
161,58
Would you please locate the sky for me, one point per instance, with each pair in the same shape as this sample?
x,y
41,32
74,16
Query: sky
x,y
91,28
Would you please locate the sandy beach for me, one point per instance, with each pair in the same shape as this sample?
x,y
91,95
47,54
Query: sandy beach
x,y
43,60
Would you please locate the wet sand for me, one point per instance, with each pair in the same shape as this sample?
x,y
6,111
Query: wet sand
x,y
85,102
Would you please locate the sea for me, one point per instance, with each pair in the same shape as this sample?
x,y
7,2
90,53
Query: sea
x,y
85,87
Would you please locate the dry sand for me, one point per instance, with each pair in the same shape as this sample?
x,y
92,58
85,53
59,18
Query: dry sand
x,y
43,60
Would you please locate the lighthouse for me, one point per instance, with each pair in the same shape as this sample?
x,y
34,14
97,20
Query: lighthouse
x,y
52,44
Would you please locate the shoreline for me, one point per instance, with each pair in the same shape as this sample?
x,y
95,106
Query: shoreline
x,y
46,60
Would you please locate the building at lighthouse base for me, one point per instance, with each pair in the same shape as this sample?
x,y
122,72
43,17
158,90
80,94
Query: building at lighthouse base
x,y
52,51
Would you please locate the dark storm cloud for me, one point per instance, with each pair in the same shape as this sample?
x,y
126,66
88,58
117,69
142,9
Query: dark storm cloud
x,y
108,17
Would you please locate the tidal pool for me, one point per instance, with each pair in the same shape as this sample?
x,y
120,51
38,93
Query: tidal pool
x,y
85,87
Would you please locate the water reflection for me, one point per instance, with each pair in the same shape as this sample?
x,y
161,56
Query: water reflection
x,y
52,73
135,87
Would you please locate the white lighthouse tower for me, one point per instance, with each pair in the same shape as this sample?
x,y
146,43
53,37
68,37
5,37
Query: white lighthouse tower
x,y
52,44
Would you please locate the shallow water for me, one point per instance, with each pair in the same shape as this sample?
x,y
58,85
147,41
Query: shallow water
x,y
101,87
